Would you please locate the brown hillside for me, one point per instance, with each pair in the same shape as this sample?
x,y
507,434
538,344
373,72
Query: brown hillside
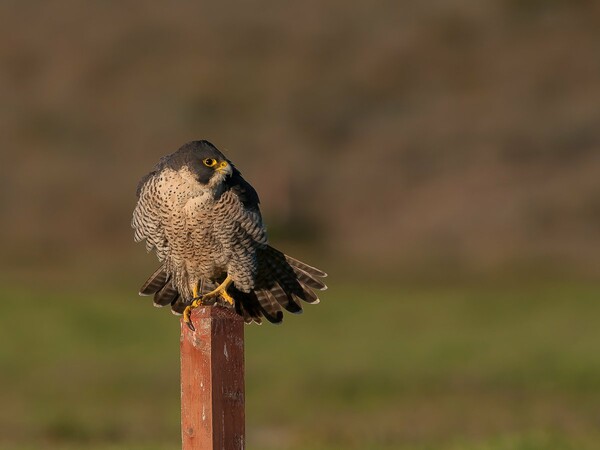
x,y
413,133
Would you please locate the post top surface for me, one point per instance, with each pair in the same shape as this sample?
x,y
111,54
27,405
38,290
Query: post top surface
x,y
215,312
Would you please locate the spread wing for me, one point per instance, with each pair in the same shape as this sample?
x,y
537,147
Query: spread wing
x,y
280,281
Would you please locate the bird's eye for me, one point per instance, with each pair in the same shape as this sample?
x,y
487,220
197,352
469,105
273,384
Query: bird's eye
x,y
209,162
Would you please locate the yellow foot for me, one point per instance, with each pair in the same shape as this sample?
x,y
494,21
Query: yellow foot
x,y
220,291
187,317
187,312
228,298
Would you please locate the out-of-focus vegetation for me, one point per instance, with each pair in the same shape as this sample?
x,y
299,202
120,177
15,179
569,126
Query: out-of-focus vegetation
x,y
479,367
439,159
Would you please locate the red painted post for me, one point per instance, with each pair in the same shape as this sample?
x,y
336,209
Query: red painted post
x,y
212,380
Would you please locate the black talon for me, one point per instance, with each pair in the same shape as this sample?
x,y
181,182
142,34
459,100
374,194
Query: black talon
x,y
191,325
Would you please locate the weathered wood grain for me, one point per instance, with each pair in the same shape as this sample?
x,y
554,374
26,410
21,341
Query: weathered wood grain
x,y
212,381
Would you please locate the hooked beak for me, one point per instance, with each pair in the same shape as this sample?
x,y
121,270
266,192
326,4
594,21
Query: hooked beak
x,y
224,168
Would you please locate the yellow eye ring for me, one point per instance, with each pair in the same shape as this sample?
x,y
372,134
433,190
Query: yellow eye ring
x,y
210,162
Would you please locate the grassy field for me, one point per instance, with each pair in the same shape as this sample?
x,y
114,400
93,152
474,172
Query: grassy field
x,y
488,367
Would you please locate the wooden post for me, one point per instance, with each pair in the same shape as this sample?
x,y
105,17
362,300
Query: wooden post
x,y
212,380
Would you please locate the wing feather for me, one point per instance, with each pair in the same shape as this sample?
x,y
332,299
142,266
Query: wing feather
x,y
147,216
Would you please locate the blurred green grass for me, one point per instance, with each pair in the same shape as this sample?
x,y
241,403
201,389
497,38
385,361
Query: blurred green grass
x,y
493,366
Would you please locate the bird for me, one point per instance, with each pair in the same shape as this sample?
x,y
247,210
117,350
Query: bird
x,y
203,220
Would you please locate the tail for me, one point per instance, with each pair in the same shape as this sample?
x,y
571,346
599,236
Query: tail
x,y
165,293
159,284
282,282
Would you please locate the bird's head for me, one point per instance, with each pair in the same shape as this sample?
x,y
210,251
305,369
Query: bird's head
x,y
212,168
208,165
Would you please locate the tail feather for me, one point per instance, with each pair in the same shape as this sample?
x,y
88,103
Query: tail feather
x,y
247,305
285,299
305,273
155,282
159,285
269,307
245,310
313,271
309,280
178,305
247,317
284,282
167,295
309,295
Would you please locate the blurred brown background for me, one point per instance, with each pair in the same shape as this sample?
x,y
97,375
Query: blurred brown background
x,y
388,140
410,133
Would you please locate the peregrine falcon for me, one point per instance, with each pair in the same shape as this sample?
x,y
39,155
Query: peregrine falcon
x,y
203,220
